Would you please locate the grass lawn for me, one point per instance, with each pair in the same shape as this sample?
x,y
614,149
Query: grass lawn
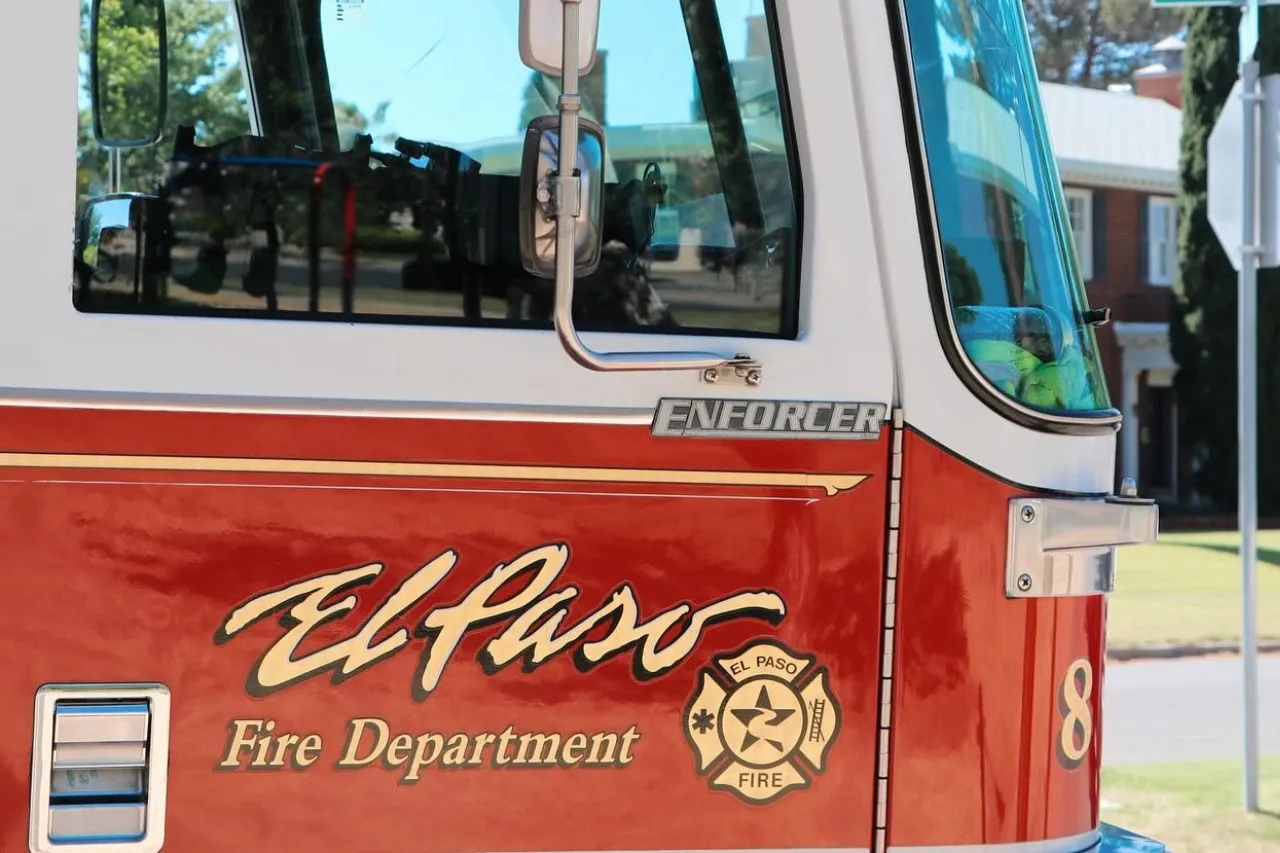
x,y
1194,807
1186,588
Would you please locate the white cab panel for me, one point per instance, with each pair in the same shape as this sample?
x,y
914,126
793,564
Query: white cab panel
x,y
46,345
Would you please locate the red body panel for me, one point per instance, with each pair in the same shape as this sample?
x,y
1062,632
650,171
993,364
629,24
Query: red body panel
x,y
127,575
978,708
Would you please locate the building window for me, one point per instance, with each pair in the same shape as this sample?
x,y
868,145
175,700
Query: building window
x,y
1162,241
1080,209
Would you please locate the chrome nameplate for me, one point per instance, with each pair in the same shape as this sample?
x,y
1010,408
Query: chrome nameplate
x,y
702,418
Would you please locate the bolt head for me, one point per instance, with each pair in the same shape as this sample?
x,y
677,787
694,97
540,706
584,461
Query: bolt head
x,y
710,375
1024,582
753,377
1028,514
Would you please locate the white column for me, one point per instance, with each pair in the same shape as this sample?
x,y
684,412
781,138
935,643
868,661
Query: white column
x,y
1131,430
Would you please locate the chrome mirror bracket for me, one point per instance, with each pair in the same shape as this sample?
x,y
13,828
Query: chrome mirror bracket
x,y
564,199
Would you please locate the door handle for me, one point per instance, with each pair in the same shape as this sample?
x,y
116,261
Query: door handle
x,y
1067,546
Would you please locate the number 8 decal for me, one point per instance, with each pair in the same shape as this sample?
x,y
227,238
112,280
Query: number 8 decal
x,y
1076,734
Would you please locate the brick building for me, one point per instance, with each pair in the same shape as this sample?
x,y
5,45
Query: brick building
x,y
1118,155
1163,77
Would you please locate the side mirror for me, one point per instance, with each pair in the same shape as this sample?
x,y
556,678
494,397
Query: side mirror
x,y
542,35
117,246
128,72
542,196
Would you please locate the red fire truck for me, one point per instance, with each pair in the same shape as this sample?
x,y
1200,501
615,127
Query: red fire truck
x,y
375,486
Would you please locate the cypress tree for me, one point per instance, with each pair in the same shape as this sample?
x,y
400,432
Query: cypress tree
x,y
1203,332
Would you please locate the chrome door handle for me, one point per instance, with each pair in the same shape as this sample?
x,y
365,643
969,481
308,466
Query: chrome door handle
x,y
1067,546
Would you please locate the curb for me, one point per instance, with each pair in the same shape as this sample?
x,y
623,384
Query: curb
x,y
1186,651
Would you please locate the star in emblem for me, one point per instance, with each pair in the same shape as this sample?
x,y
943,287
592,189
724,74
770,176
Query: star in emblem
x,y
703,722
748,715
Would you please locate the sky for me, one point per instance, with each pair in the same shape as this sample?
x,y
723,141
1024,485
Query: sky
x,y
452,71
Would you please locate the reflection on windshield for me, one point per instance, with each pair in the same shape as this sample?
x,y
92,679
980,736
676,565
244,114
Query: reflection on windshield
x,y
362,160
1016,297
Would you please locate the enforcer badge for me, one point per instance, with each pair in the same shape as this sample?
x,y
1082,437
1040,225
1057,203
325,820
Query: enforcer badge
x,y
762,721
811,419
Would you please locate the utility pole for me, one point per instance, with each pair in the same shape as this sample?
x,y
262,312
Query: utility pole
x,y
1247,322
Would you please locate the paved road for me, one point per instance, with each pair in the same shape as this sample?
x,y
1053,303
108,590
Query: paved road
x,y
1185,710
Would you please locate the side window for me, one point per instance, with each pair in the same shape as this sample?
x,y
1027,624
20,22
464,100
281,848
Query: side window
x,y
1080,209
360,162
1162,240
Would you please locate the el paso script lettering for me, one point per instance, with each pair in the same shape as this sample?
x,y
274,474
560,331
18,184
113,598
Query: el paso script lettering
x,y
534,616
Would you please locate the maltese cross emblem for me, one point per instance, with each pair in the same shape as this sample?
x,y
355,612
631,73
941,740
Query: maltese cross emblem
x,y
762,721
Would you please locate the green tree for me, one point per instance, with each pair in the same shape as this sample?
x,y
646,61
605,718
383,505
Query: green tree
x,y
1203,332
1095,42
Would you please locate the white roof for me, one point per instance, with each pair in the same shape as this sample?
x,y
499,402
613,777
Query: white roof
x,y
1116,139
1101,138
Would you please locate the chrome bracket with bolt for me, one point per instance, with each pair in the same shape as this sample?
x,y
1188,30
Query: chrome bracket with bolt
x,y
1067,546
742,370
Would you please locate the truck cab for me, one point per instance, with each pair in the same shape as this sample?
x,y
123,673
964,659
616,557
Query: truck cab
x,y
370,481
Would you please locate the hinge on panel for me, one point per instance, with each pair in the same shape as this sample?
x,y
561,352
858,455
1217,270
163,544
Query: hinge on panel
x,y
741,370
888,634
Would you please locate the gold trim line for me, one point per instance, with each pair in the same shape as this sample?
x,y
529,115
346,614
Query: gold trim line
x,y
831,484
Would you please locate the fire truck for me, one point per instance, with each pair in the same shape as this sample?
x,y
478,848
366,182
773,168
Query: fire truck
x,y
372,484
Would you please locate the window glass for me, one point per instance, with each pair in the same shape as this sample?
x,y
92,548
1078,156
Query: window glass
x,y
1080,208
360,161
1162,240
1012,277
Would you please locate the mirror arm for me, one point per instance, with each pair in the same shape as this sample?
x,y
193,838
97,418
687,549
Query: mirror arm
x,y
568,204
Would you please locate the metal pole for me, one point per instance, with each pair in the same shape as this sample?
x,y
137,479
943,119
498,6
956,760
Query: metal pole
x,y
115,165
568,194
1247,427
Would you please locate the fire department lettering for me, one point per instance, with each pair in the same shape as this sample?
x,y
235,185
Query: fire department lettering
x,y
532,633
690,418
371,742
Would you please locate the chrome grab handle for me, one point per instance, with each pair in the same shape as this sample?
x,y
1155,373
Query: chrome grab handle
x,y
1067,546
568,190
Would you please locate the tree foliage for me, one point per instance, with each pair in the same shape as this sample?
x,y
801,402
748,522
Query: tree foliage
x,y
1095,42
206,91
1203,333
205,84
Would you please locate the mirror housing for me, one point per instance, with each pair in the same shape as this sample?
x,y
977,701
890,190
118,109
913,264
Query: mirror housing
x,y
118,243
542,34
540,197
119,104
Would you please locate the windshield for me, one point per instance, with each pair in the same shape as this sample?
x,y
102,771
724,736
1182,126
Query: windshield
x,y
1016,299
359,160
